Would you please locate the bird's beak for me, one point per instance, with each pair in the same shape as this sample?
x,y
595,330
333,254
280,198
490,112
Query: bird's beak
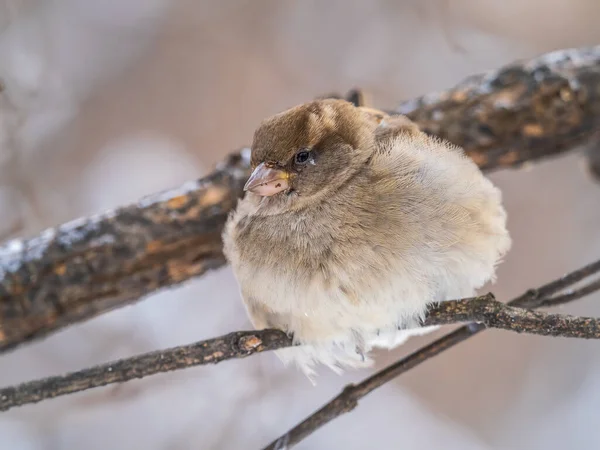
x,y
267,181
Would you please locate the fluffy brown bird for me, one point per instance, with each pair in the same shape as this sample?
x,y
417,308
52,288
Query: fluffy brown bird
x,y
353,223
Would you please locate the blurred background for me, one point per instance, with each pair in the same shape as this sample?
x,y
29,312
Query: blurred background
x,y
107,101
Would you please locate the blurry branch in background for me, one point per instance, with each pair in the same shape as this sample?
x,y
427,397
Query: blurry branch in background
x,y
484,311
523,112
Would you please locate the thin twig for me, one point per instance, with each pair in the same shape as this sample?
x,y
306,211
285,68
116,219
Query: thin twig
x,y
535,298
522,112
348,399
233,345
484,310
572,295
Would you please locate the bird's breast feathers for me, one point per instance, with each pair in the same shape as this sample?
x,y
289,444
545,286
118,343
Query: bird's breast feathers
x,y
420,224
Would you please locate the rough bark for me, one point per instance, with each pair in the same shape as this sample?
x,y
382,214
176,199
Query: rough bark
x,y
522,112
93,265
233,345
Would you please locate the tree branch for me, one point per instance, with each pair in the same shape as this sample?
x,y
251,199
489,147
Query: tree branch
x,y
90,266
494,314
519,113
348,399
484,310
233,345
572,295
522,112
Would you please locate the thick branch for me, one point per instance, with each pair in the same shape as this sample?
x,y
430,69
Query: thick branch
x,y
87,267
519,113
484,310
348,399
522,112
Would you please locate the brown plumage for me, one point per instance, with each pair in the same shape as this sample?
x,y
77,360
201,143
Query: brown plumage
x,y
354,221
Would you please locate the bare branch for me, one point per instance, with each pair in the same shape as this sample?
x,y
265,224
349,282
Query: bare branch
x,y
494,314
521,112
90,266
484,310
233,345
572,295
535,298
348,399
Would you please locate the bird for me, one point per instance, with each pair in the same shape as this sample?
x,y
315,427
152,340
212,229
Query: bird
x,y
353,223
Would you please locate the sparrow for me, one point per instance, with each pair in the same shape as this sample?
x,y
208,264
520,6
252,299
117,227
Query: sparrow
x,y
354,222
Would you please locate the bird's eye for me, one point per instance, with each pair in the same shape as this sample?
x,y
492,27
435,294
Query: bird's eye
x,y
302,157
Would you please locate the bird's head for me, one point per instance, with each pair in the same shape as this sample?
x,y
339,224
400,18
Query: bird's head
x,y
309,150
